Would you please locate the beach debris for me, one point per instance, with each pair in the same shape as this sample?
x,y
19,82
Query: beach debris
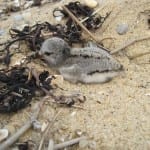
x,y
37,125
79,132
18,86
27,145
12,6
3,134
91,3
28,124
69,143
122,28
51,145
69,100
47,129
128,43
37,2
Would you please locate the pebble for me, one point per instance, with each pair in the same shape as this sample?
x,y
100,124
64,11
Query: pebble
x,y
37,125
91,3
122,28
44,126
78,132
58,16
2,32
3,134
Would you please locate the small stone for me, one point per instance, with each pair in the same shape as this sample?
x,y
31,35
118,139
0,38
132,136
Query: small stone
x,y
73,114
3,134
58,18
91,3
78,132
37,125
2,32
44,126
122,29
83,143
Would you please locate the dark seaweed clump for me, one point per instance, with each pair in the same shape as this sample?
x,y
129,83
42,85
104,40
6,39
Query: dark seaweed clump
x,y
17,89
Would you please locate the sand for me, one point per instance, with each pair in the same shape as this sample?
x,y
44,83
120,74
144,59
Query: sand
x,y
116,114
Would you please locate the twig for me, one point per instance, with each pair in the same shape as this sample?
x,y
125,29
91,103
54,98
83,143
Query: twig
x,y
68,143
46,130
80,24
128,44
51,145
138,55
96,11
107,38
22,130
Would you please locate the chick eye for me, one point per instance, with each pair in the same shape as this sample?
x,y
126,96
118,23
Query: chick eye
x,y
48,53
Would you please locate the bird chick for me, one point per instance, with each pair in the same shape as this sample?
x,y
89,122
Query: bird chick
x,y
86,65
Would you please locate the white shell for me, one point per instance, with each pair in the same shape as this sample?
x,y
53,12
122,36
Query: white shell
x,y
59,18
3,134
91,3
44,126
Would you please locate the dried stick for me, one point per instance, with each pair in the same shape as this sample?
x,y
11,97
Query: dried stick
x,y
46,130
68,143
128,44
22,130
78,22
138,55
96,11
51,145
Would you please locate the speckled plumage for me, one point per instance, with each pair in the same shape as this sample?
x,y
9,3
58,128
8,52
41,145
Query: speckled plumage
x,y
87,65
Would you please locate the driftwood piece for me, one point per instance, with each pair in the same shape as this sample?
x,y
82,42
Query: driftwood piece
x,y
22,130
46,130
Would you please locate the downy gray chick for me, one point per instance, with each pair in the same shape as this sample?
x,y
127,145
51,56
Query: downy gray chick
x,y
86,65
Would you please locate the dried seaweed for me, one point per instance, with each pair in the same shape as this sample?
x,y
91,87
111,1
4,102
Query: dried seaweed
x,y
27,145
18,86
